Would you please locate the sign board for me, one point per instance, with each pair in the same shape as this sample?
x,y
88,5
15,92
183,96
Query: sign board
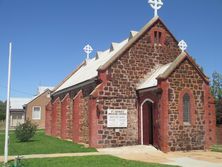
x,y
116,118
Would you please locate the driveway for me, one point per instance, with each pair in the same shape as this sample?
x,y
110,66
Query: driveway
x,y
150,154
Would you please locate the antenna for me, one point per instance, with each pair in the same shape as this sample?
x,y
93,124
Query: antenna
x,y
156,5
88,49
182,45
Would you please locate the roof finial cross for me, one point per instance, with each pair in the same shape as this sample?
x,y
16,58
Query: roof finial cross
x,y
183,45
88,49
156,5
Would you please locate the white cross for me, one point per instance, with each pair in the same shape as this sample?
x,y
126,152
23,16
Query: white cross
x,y
88,49
156,5
183,45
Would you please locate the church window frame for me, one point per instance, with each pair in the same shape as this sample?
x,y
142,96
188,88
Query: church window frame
x,y
186,108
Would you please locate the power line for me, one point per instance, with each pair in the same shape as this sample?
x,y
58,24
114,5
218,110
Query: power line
x,y
18,91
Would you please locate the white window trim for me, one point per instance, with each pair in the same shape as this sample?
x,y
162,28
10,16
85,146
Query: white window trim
x,y
39,118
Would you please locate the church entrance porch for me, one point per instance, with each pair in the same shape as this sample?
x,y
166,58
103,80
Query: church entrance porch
x,y
148,117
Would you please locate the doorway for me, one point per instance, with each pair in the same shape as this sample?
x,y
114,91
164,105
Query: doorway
x,y
148,125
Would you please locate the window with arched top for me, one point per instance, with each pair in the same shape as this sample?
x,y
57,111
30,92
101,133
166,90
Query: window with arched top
x,y
186,108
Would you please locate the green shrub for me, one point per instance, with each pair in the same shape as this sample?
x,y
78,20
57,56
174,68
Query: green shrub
x,y
24,132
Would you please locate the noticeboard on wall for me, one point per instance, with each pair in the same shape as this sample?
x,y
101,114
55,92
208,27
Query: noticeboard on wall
x,y
116,118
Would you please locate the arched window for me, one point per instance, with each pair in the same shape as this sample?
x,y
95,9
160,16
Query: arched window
x,y
186,108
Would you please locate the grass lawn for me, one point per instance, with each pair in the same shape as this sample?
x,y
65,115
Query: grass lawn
x,y
216,148
87,161
41,144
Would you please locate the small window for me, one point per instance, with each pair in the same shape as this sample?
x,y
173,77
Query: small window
x,y
36,113
157,37
186,108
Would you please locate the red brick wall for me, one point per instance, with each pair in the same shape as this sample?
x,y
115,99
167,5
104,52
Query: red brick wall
x,y
48,120
84,122
69,120
76,117
124,76
55,116
186,137
58,118
64,109
80,118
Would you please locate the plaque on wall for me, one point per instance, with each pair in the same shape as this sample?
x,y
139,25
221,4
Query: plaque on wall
x,y
116,118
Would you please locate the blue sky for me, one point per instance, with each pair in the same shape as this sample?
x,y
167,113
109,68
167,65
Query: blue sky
x,y
48,35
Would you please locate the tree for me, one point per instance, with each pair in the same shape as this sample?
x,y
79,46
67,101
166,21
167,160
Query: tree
x,y
216,87
216,90
2,110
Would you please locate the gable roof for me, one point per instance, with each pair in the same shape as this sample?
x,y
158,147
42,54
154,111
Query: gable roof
x,y
17,103
177,62
42,89
35,97
131,42
164,71
89,69
151,80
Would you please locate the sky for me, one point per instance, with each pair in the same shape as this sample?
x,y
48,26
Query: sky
x,y
48,36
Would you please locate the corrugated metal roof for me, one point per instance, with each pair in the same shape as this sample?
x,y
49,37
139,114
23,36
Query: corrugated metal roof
x,y
151,80
89,70
17,103
101,60
42,89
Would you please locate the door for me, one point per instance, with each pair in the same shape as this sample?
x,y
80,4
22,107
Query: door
x,y
148,127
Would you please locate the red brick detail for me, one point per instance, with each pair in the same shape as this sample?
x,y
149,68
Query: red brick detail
x,y
93,126
192,106
162,38
55,117
65,108
48,119
209,117
95,111
76,117
164,116
142,97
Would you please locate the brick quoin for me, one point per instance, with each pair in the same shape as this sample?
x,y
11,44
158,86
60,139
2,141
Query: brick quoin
x,y
164,116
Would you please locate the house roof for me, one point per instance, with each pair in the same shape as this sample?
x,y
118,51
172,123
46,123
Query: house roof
x,y
42,89
151,79
177,62
17,103
102,60
35,97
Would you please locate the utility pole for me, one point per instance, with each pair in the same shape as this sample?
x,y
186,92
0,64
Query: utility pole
x,y
8,105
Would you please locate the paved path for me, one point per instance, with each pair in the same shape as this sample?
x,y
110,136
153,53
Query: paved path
x,y
150,154
53,155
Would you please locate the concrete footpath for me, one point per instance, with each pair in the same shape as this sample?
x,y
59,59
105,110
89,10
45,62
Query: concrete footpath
x,y
151,154
52,155
147,154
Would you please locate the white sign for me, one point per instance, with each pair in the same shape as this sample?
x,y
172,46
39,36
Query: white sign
x,y
116,118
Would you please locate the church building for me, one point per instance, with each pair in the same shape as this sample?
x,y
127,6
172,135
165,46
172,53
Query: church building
x,y
145,90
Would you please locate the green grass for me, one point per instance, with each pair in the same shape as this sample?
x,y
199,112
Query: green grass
x,y
41,144
216,148
87,161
